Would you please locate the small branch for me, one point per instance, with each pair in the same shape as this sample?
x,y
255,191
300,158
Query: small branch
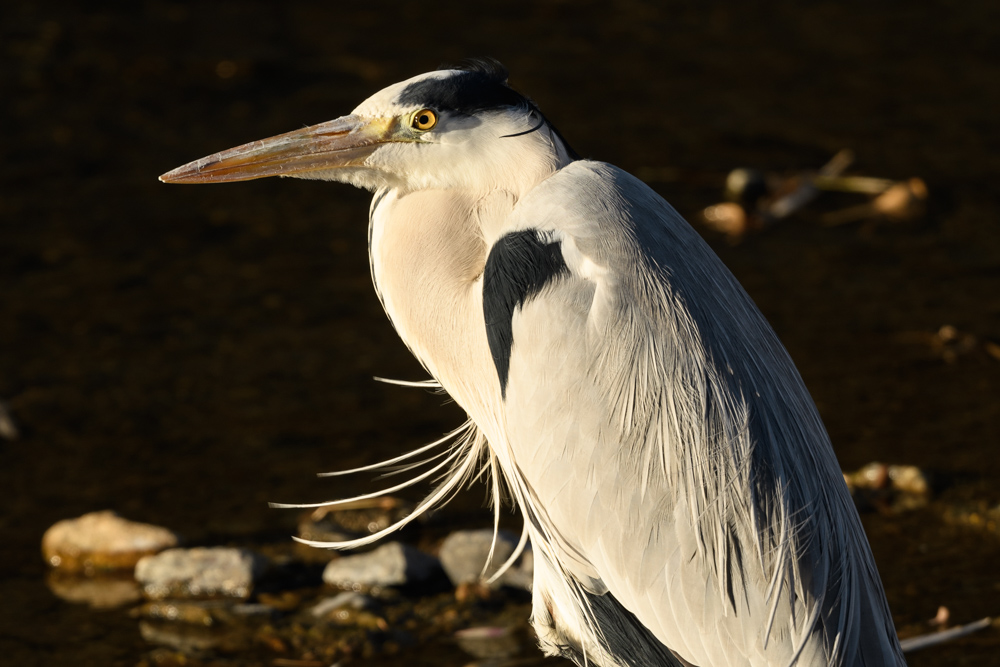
x,y
935,638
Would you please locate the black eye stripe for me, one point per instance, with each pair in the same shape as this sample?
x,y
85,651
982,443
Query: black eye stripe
x,y
463,92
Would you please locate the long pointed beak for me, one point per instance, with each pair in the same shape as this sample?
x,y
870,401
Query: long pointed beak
x,y
344,142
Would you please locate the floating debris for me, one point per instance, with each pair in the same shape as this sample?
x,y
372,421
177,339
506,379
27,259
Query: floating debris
x,y
941,617
102,541
755,200
933,639
731,219
899,202
948,343
802,188
746,187
889,488
857,184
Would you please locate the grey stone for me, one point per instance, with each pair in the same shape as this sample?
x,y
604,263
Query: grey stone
x,y
464,552
393,564
200,572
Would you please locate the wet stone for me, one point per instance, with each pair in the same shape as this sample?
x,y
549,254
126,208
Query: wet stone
x,y
201,572
463,554
393,564
102,541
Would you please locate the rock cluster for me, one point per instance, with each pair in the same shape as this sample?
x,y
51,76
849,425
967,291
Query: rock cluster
x,y
312,607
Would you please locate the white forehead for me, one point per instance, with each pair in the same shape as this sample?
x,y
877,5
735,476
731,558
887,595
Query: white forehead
x,y
386,101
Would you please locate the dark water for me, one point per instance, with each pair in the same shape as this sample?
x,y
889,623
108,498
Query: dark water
x,y
184,355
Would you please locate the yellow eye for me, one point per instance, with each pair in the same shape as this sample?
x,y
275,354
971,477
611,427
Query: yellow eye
x,y
424,120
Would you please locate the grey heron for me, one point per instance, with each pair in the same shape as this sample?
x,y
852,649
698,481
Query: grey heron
x,y
678,487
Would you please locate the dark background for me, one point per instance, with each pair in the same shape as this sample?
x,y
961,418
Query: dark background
x,y
184,355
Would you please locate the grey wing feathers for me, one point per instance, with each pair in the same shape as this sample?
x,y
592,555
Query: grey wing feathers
x,y
673,404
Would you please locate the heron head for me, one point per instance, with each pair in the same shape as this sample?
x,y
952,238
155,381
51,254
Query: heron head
x,y
452,128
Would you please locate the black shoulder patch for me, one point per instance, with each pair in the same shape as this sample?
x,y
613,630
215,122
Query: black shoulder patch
x,y
624,637
520,264
478,85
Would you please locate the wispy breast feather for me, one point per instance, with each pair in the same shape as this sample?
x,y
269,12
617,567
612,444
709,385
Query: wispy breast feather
x,y
519,266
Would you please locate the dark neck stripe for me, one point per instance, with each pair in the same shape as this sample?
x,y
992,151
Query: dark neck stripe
x,y
519,266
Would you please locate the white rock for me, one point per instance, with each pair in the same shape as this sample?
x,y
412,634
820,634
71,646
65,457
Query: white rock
x,y
200,572
464,553
393,564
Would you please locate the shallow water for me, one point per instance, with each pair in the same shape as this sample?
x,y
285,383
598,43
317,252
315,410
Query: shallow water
x,y
184,355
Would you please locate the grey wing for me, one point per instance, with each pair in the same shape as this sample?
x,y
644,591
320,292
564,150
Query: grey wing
x,y
671,456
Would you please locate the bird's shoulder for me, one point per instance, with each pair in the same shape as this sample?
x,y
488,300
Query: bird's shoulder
x,y
588,198
612,227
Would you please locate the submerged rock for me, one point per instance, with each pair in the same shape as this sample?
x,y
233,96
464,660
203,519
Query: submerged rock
x,y
102,541
393,564
201,572
464,553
